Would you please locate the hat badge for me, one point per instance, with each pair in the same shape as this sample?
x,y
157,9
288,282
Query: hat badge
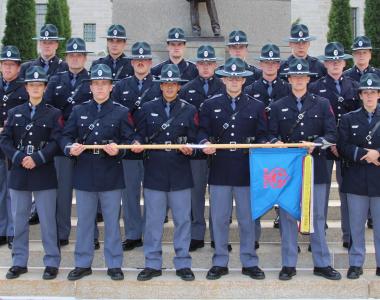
x,y
75,46
141,50
300,34
9,53
46,33
100,72
114,32
176,35
369,82
205,53
360,43
336,52
237,38
233,67
299,67
35,75
170,74
270,53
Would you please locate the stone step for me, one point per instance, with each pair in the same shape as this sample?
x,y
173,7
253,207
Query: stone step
x,y
269,234
269,256
232,286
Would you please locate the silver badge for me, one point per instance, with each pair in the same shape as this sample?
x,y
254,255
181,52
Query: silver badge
x,y
141,50
46,33
9,53
360,43
270,53
176,35
114,32
233,67
300,34
205,53
100,72
170,73
75,46
336,52
36,75
237,38
299,67
369,82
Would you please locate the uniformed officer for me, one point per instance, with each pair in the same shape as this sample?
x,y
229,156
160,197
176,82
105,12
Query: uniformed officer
x,y
30,141
342,92
176,45
98,174
204,86
362,53
229,118
116,59
299,117
12,93
238,47
133,92
167,174
65,90
359,145
268,88
48,42
299,42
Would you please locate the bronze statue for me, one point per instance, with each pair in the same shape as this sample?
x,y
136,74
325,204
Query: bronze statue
x,y
194,15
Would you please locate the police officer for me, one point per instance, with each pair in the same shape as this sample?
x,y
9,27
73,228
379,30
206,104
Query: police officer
x,y
268,88
176,45
98,174
167,174
342,92
116,59
229,118
30,141
299,117
133,92
238,47
359,145
204,86
12,93
48,42
299,42
65,90
362,53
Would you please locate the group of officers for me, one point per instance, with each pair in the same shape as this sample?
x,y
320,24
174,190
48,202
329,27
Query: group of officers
x,y
50,108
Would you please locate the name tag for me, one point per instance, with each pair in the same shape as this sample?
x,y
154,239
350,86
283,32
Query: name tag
x,y
126,93
18,115
285,109
355,126
84,117
192,91
217,110
256,96
322,91
59,87
154,115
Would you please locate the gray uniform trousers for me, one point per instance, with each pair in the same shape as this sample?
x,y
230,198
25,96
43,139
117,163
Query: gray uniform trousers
x,y
45,201
221,206
289,233
358,211
65,169
6,221
156,203
345,222
87,204
132,216
199,170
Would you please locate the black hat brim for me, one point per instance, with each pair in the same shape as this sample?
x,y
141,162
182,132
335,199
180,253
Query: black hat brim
x,y
108,37
361,48
82,52
310,74
361,88
237,43
261,58
41,38
9,58
140,57
223,73
214,59
300,39
168,80
176,40
328,58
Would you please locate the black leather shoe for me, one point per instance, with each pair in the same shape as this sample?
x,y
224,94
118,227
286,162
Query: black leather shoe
x,y
50,273
212,244
196,244
3,240
33,219
148,274
257,245
99,218
370,223
185,274
328,273
79,273
63,242
129,245
115,273
354,272
287,273
96,244
253,272
346,245
15,272
377,271
216,272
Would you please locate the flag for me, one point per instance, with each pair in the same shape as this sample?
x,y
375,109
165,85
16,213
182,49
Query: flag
x,y
283,177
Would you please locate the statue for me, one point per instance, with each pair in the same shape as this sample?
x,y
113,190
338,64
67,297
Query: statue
x,y
194,15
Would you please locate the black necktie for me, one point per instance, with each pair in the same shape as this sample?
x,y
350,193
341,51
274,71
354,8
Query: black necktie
x,y
270,89
140,85
299,104
73,80
206,87
99,107
167,109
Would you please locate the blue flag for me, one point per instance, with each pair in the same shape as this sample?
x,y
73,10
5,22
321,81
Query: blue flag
x,y
276,178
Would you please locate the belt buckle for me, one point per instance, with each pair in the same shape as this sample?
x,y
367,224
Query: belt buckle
x,y
96,151
168,143
29,149
233,143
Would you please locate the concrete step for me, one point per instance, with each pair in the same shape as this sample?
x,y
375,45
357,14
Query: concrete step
x,y
232,286
269,256
269,234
